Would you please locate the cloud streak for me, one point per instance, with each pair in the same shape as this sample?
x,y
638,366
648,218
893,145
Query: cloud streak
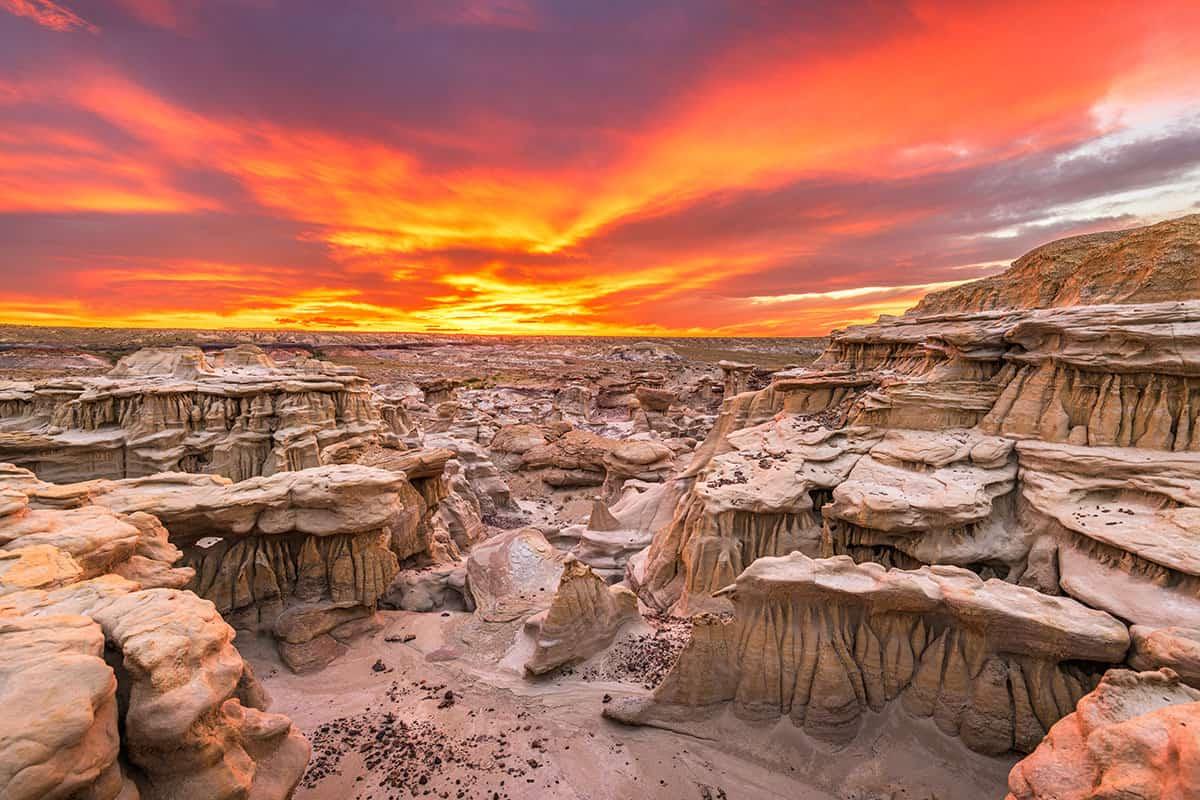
x,y
522,166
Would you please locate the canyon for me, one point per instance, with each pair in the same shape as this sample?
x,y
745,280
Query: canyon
x,y
950,554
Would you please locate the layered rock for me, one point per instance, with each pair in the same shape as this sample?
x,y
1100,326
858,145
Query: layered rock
x,y
995,378
579,458
1118,528
920,497
762,498
120,689
304,555
1134,736
614,535
171,409
1139,265
823,642
1010,427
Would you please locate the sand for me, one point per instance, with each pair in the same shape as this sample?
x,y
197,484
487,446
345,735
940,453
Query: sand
x,y
445,715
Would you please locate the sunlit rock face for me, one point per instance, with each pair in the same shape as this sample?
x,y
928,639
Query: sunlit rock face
x,y
172,409
1138,265
1134,736
987,452
823,642
117,683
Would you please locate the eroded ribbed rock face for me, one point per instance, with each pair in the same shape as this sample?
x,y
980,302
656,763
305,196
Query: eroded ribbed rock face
x,y
172,714
170,409
304,555
825,641
1083,418
758,500
1134,736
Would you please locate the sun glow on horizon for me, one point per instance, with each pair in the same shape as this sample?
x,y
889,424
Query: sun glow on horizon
x,y
164,166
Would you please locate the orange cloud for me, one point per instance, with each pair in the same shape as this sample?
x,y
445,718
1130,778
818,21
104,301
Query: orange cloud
x,y
48,14
786,187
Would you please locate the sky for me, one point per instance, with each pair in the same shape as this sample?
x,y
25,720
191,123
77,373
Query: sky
x,y
634,167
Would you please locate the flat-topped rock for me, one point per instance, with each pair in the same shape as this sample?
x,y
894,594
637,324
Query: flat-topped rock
x,y
823,641
1013,618
171,409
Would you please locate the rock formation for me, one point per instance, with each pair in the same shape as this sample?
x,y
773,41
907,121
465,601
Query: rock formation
x,y
583,618
1026,438
823,642
171,409
120,688
1135,736
513,575
303,555
1139,265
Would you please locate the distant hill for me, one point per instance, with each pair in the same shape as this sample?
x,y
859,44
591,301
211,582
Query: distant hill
x,y
1151,264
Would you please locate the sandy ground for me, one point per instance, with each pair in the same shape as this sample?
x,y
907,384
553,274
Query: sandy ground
x,y
445,714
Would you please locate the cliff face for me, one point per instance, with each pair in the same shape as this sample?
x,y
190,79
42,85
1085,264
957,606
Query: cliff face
x,y
1140,265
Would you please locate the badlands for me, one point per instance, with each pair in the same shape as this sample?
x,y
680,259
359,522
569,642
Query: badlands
x,y
952,555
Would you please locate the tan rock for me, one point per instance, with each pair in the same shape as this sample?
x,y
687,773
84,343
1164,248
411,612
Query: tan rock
x,y
824,641
514,574
583,619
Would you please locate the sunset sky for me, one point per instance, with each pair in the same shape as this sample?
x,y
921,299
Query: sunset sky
x,y
745,167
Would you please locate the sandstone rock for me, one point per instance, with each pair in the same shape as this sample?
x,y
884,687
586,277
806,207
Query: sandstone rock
x,y
185,732
582,620
170,409
262,550
513,574
58,735
1135,736
1124,523
1176,648
438,588
1139,265
823,641
757,500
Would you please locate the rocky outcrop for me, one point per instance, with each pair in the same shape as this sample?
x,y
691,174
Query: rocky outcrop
x,y
612,536
1135,736
49,548
823,642
1175,648
762,498
1117,528
583,619
171,409
1099,400
1138,265
52,669
513,575
920,497
303,555
579,458
116,688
